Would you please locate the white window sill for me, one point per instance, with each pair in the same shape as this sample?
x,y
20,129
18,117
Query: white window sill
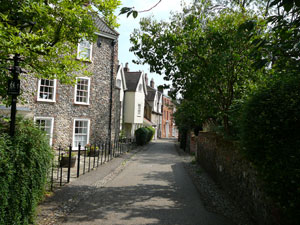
x,y
81,103
45,100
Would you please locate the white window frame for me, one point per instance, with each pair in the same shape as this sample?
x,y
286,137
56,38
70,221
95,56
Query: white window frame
x,y
52,125
139,110
88,96
88,132
54,91
78,51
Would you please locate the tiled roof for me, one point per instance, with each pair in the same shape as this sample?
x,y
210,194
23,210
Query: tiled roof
x,y
151,93
132,79
103,27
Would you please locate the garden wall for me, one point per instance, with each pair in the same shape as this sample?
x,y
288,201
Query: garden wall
x,y
222,160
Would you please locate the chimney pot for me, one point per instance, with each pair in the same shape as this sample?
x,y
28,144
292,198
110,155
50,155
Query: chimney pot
x,y
146,79
152,83
126,68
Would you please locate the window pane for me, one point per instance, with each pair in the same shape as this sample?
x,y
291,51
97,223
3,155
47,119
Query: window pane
x,y
82,92
46,89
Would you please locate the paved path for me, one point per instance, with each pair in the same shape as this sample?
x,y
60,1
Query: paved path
x,y
152,189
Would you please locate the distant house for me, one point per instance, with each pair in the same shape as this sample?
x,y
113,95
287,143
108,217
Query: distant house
x,y
86,112
153,109
120,87
134,101
168,124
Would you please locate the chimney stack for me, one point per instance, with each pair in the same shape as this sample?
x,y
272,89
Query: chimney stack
x,y
126,68
152,83
146,79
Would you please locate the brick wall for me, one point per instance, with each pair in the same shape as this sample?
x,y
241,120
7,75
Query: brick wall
x,y
223,161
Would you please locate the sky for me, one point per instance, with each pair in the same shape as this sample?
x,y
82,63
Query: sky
x,y
127,25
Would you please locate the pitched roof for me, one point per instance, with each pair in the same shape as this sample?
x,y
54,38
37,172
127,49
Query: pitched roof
x,y
132,79
151,93
103,27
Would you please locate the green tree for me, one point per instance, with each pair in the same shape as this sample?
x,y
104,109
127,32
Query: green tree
x,y
205,53
45,34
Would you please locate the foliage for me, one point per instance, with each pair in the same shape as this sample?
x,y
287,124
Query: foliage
x,y
45,34
151,133
24,166
144,135
270,136
205,54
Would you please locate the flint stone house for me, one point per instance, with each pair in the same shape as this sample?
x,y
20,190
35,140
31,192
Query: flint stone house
x,y
153,108
134,101
84,113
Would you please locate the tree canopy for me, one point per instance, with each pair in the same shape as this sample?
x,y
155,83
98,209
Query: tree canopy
x,y
45,34
205,53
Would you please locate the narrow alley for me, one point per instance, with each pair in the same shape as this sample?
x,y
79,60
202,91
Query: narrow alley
x,y
153,188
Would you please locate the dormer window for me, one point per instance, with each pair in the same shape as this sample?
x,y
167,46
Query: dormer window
x,y
84,50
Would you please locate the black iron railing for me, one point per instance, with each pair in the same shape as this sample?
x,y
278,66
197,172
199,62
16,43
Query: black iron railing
x,y
70,163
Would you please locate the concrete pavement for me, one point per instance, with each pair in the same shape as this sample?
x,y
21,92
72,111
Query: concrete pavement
x,y
153,188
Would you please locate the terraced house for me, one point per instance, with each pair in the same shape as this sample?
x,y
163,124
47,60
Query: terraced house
x,y
86,112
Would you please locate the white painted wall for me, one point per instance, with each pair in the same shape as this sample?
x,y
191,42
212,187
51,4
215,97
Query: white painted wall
x,y
139,99
129,107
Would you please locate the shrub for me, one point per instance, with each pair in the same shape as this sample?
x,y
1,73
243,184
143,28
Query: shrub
x,y
144,135
24,165
270,135
151,133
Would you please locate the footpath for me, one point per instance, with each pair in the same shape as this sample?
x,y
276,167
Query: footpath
x,y
65,199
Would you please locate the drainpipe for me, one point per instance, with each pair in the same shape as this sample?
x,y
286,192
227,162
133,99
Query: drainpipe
x,y
111,92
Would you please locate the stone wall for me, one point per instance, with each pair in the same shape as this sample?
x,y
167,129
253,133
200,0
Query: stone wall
x,y
222,160
64,110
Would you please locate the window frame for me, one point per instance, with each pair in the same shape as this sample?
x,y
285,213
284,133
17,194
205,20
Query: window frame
x,y
139,110
78,52
52,125
88,132
39,91
89,90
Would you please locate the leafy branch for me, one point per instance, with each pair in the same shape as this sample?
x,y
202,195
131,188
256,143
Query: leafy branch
x,y
131,10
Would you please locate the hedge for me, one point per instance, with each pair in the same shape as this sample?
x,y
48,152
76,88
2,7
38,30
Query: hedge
x,y
24,165
144,135
270,136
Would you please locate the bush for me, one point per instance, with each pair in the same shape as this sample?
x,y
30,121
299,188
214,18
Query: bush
x,y
151,133
270,135
144,135
24,165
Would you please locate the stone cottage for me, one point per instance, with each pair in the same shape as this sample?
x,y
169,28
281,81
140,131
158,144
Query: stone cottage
x,y
86,112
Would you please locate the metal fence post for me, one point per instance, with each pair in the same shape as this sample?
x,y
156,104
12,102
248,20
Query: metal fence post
x,y
98,154
51,185
94,156
102,148
84,157
60,180
69,164
78,162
